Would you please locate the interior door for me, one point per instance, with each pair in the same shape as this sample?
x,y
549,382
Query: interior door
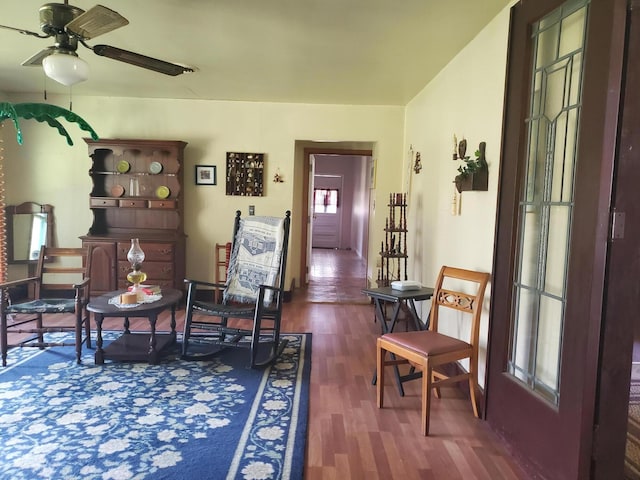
x,y
558,150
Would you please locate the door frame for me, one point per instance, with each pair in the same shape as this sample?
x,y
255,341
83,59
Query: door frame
x,y
306,186
568,454
623,265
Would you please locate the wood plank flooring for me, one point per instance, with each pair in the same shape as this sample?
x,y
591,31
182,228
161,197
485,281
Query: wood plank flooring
x,y
348,437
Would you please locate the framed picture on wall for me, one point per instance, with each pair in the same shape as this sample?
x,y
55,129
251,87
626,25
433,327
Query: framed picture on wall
x,y
206,175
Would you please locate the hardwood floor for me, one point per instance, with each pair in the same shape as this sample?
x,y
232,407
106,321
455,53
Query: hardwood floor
x,y
348,437
336,276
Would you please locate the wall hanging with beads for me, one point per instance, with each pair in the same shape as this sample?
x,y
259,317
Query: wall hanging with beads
x,y
245,174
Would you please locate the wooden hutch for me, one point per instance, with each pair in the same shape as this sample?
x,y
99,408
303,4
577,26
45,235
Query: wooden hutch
x,y
137,193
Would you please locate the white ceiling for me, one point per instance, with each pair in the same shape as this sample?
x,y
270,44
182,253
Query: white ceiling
x,y
370,52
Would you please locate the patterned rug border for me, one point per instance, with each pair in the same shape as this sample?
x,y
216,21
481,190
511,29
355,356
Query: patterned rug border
x,y
632,448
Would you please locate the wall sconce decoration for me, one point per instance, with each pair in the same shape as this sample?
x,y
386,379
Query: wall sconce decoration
x,y
474,174
459,148
277,178
417,166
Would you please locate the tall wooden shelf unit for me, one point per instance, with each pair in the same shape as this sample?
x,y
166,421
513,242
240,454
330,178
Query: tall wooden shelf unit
x,y
137,193
394,247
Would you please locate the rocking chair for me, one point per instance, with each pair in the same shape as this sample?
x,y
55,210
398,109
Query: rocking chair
x,y
250,312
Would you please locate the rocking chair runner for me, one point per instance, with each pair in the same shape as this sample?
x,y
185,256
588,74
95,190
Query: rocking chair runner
x,y
252,296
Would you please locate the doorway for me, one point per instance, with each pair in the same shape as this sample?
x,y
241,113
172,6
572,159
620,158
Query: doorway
x,y
354,197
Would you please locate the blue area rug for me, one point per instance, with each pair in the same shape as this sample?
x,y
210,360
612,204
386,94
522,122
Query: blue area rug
x,y
176,420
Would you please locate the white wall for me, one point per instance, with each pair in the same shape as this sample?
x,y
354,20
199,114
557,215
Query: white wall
x,y
465,99
46,170
360,216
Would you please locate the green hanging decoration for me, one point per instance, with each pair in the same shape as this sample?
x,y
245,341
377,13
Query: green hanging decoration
x,y
43,112
40,112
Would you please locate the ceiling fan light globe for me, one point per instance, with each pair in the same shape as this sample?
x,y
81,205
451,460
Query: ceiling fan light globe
x,y
65,68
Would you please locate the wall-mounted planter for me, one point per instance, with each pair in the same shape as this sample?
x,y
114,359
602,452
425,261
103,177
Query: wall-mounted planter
x,y
478,181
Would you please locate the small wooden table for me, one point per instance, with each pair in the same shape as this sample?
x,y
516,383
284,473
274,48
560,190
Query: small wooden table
x,y
134,346
398,298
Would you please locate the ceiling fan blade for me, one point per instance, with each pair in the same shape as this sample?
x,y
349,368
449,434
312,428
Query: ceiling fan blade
x,y
96,21
24,32
36,60
140,60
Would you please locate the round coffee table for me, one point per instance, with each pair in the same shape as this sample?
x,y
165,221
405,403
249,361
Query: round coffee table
x,y
135,346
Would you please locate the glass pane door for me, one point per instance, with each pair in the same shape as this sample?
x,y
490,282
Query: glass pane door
x,y
546,206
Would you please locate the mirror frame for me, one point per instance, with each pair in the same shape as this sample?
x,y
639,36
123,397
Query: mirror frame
x,y
26,208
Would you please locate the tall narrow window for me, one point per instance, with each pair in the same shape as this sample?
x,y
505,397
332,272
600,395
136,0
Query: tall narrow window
x,y
546,205
325,200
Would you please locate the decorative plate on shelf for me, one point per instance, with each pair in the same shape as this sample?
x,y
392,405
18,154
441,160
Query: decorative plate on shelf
x,y
155,168
162,192
123,166
117,190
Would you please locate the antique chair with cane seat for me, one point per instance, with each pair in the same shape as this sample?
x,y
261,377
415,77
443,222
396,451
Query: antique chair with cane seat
x,y
250,312
60,289
427,349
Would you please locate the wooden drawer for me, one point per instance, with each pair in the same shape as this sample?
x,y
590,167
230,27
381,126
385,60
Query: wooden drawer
x,y
103,202
153,252
132,203
155,271
170,204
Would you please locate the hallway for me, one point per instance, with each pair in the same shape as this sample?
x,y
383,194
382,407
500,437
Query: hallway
x,y
336,276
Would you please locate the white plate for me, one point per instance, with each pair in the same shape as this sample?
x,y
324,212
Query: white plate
x,y
155,168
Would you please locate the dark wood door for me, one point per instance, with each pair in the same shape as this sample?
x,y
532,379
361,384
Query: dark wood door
x,y
552,231
103,266
622,293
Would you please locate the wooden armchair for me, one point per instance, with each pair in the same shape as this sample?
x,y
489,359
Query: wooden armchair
x,y
61,289
249,314
425,350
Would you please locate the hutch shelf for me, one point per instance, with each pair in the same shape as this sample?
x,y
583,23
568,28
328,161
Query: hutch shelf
x,y
137,193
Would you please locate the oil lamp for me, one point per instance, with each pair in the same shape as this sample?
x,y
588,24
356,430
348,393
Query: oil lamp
x,y
136,276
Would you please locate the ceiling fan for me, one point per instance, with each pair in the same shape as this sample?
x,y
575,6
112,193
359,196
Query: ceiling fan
x,y
68,26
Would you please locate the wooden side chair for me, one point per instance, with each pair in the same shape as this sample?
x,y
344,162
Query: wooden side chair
x,y
250,312
61,289
427,349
